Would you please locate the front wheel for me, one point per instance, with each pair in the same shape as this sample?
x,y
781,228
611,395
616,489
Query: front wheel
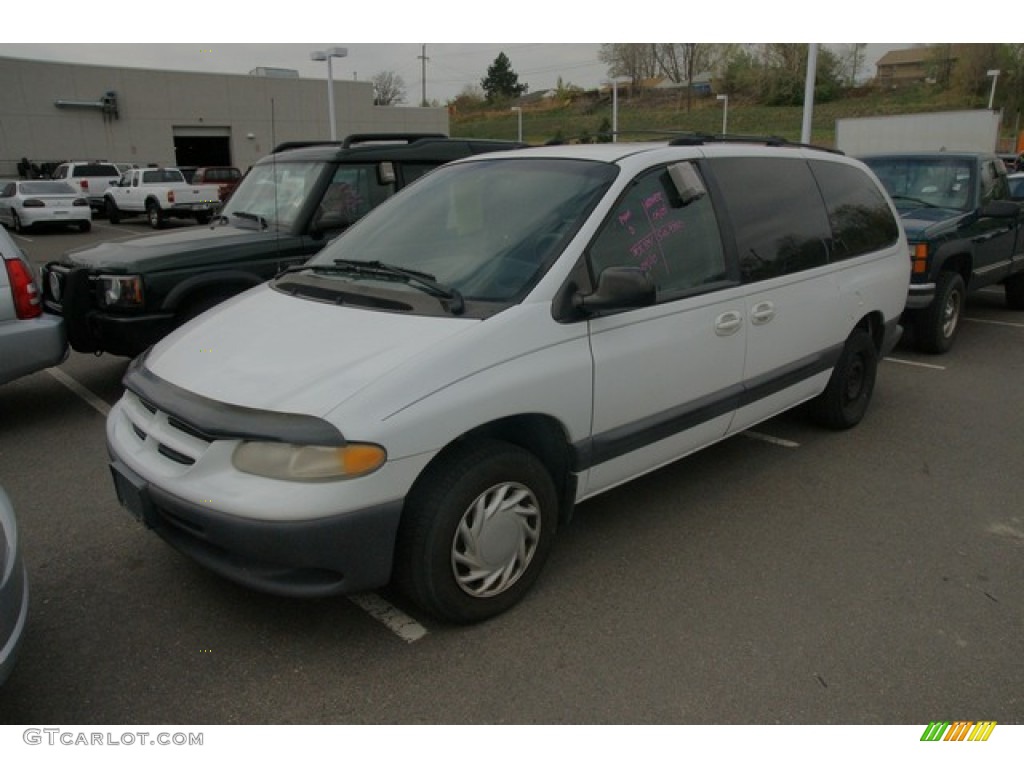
x,y
113,214
936,326
845,400
476,531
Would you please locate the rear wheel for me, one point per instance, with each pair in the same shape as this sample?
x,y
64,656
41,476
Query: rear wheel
x,y
155,215
936,327
84,226
845,400
476,531
18,226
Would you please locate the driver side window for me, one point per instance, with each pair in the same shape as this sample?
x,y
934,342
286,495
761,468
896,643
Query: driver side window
x,y
677,244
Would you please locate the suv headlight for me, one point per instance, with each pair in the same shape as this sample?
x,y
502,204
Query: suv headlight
x,y
121,290
308,463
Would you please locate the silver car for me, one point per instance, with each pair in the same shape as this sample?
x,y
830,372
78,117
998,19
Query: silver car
x,y
30,339
13,589
24,204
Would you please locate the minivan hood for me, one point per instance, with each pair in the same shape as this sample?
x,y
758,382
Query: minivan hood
x,y
180,248
263,349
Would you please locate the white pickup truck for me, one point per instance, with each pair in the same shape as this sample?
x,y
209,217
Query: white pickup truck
x,y
160,194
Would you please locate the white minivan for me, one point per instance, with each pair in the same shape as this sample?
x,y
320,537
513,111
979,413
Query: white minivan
x,y
425,400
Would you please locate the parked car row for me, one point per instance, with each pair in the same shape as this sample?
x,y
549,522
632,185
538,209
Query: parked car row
x,y
78,191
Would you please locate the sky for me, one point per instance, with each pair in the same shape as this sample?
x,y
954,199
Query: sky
x,y
450,67
560,29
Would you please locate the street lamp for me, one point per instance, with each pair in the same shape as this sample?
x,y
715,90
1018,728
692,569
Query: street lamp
x,y
520,133
994,74
331,53
724,97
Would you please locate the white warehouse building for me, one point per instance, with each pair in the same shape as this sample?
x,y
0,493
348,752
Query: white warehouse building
x,y
52,112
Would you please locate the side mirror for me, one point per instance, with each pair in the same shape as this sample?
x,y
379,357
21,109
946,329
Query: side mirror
x,y
385,173
618,288
1000,209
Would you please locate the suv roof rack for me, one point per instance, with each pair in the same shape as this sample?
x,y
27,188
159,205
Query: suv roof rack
x,y
359,138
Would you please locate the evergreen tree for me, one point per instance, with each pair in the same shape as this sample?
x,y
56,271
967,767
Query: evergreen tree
x,y
502,82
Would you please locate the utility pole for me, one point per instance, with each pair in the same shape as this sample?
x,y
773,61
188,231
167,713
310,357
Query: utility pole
x,y
423,64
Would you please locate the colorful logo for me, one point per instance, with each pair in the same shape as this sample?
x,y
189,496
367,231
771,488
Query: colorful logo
x,y
959,730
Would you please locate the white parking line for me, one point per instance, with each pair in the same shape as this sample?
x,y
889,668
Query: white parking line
x,y
401,624
914,363
96,402
994,322
769,439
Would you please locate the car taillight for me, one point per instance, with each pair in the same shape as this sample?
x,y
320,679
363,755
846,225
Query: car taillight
x,y
26,294
33,203
170,196
84,183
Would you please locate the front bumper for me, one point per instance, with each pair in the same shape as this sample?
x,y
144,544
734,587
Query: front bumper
x,y
70,292
920,295
339,554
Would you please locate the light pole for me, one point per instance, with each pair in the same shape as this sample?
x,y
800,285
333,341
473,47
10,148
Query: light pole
x,y
994,74
331,53
724,97
519,110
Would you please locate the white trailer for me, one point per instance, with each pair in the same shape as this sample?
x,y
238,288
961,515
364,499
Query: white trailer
x,y
975,130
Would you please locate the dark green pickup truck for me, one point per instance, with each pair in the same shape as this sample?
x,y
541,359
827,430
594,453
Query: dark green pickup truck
x,y
964,234
121,297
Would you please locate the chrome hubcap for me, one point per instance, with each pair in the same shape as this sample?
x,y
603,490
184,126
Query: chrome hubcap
x,y
951,314
496,540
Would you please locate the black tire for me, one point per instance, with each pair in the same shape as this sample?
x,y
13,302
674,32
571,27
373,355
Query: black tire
x,y
935,328
84,226
18,226
845,400
202,218
113,214
155,215
1014,287
487,507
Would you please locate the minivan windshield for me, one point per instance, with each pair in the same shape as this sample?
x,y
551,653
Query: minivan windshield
x,y
274,193
486,229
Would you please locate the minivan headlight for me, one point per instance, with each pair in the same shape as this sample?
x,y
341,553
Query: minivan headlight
x,y
121,290
308,463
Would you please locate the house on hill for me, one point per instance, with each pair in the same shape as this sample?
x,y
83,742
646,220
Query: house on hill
x,y
921,64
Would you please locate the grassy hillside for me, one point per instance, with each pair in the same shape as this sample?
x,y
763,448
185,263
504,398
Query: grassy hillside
x,y
585,116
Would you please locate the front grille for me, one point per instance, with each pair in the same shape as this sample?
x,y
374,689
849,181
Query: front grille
x,y
172,438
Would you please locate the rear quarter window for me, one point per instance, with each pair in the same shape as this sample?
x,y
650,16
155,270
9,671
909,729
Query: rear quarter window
x,y
860,216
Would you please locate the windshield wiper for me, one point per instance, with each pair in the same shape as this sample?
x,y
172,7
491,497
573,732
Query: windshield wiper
x,y
425,282
914,200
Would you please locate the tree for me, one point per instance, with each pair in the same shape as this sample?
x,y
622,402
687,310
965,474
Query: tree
x,y
388,89
637,61
851,61
502,82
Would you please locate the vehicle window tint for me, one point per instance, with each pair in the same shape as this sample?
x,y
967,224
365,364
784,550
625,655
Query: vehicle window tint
x,y
354,191
677,245
413,171
993,183
776,214
94,170
861,219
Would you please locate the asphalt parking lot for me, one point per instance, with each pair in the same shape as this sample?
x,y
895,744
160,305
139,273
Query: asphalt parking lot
x,y
789,575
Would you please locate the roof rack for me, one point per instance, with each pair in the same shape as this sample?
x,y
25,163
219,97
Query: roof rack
x,y
697,139
359,138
